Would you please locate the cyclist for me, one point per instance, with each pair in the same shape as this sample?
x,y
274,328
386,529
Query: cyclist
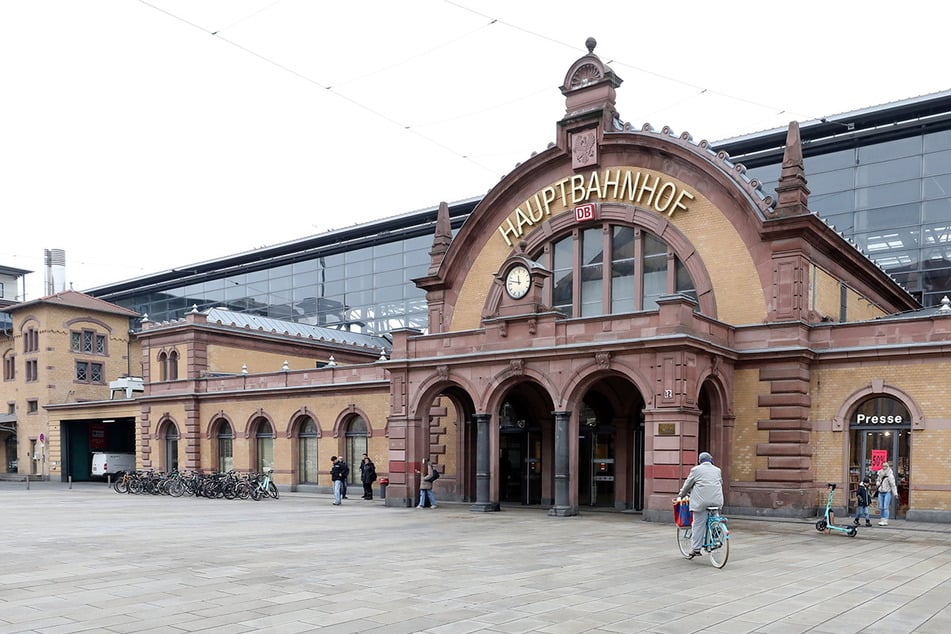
x,y
704,485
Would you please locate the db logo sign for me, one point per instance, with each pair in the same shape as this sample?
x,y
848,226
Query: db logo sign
x,y
584,212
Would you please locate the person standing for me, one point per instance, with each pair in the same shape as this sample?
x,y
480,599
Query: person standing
x,y
862,500
338,476
367,476
887,487
426,484
704,485
346,476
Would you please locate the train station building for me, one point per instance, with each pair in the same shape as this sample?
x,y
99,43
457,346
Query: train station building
x,y
619,302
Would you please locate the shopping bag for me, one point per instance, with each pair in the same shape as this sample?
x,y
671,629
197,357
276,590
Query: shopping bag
x,y
682,514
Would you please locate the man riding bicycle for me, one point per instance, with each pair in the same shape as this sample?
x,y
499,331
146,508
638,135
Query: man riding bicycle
x,y
704,485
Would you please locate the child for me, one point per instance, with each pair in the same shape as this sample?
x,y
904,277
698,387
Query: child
x,y
864,499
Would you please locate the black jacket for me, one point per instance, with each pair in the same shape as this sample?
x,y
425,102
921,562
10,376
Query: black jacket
x,y
367,472
338,471
863,496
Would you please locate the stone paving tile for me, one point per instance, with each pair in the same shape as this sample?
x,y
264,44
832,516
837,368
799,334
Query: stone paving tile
x,y
445,572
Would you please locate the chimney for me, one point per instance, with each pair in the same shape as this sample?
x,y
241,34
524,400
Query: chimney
x,y
55,271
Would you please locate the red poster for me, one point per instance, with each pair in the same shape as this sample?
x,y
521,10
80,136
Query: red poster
x,y
879,456
97,436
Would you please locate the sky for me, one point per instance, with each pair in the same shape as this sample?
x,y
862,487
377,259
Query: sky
x,y
140,136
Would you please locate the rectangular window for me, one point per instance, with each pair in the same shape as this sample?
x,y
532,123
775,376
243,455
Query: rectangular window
x,y
88,372
9,368
87,340
32,373
75,340
100,344
31,340
32,406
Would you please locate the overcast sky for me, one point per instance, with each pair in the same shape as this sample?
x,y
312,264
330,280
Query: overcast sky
x,y
142,136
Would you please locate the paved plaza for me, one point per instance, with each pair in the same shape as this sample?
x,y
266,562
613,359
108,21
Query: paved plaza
x,y
85,559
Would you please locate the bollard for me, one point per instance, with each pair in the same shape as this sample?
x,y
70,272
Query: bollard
x,y
70,482
109,481
28,482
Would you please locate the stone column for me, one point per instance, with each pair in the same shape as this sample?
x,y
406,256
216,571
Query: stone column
x,y
483,503
562,507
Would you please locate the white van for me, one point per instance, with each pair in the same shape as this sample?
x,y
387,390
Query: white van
x,y
110,464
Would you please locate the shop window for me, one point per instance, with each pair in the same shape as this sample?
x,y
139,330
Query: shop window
x,y
880,431
307,451
610,269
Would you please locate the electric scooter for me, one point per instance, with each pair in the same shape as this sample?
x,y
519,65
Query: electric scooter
x,y
827,523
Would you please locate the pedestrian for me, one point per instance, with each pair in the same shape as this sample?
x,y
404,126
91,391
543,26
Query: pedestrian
x,y
704,485
346,476
886,489
426,484
863,498
367,476
337,476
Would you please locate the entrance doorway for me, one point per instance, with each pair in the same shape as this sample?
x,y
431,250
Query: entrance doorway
x,y
520,466
880,431
596,484
611,446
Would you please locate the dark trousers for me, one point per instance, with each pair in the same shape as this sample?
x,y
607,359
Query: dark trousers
x,y
367,490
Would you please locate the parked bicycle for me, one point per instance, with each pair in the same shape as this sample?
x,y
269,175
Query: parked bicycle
x,y
265,487
716,541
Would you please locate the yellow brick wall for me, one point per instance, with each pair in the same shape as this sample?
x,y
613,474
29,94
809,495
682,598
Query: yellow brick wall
x,y
739,292
231,358
747,387
327,408
930,449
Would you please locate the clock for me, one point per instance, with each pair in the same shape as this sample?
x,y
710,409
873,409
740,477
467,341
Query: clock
x,y
518,281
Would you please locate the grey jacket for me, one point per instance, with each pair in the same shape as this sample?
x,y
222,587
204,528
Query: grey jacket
x,y
886,481
704,485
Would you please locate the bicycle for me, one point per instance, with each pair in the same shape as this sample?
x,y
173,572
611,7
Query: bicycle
x,y
716,541
265,487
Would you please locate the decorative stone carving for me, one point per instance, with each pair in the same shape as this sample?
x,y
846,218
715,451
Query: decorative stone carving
x,y
603,359
442,371
584,149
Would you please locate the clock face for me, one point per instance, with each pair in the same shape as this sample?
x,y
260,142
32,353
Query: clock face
x,y
517,282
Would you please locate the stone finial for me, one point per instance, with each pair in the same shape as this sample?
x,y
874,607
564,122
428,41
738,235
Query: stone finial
x,y
442,238
945,304
590,43
331,362
792,194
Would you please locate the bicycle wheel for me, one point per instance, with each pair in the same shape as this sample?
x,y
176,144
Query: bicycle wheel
x,y
272,490
685,540
176,488
719,544
121,485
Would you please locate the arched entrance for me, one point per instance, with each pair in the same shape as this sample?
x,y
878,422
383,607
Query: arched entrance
x,y
880,431
611,446
526,446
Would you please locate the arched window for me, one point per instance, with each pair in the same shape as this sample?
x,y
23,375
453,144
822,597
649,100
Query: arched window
x,y
173,365
171,446
307,451
224,439
162,361
263,444
610,269
356,438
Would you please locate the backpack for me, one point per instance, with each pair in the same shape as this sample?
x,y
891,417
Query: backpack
x,y
434,476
